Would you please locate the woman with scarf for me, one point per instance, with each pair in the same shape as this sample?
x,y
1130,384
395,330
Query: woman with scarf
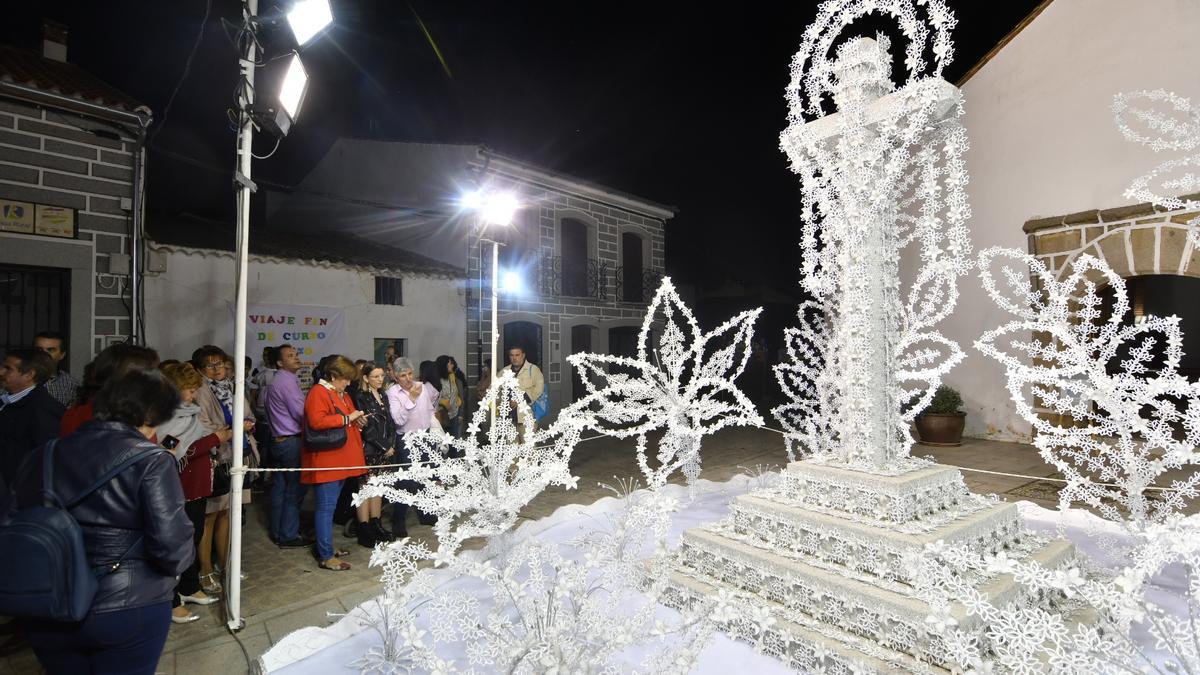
x,y
450,398
215,400
193,444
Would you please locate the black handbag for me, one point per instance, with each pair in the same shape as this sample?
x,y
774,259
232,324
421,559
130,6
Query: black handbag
x,y
324,439
222,479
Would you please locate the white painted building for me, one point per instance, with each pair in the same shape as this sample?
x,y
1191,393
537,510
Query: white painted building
x,y
1044,148
190,289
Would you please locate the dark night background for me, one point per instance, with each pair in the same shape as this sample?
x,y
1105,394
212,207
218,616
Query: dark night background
x,y
680,105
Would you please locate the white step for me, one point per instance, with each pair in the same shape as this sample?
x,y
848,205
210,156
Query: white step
x,y
835,540
806,648
909,496
806,593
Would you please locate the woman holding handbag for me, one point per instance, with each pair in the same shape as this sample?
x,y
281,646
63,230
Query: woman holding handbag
x,y
332,439
379,445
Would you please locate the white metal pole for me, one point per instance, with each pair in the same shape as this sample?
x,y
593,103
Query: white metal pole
x,y
233,580
495,328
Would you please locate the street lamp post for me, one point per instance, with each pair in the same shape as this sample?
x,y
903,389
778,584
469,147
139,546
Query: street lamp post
x,y
494,208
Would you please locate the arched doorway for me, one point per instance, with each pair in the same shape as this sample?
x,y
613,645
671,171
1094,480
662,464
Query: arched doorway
x,y
1160,295
528,336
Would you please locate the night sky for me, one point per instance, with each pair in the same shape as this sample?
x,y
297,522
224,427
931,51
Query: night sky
x,y
676,104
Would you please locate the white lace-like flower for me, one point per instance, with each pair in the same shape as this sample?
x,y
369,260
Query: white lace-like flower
x,y
681,384
1131,416
1176,129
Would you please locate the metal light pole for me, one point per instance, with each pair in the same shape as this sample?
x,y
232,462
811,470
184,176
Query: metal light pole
x,y
495,320
245,138
494,208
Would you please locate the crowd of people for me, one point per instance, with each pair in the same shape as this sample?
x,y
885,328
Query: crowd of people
x,y
158,531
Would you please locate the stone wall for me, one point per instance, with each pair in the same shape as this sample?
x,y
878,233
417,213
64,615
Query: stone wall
x,y
59,159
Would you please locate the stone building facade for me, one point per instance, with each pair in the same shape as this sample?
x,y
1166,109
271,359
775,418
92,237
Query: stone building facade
x,y
69,145
578,267
1133,240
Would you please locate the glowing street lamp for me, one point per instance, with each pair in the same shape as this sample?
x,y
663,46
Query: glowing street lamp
x,y
510,282
494,208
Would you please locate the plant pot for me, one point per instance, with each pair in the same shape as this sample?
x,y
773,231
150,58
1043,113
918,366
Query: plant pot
x,y
941,428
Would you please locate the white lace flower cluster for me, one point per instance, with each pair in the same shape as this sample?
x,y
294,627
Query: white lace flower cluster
x,y
545,611
1121,420
1131,417
681,384
883,174
549,611
477,489
1070,621
1177,128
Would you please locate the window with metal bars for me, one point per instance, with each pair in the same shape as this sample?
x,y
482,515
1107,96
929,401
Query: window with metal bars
x,y
389,291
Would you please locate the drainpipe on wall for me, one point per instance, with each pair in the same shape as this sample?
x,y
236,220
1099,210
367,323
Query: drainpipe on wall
x,y
136,334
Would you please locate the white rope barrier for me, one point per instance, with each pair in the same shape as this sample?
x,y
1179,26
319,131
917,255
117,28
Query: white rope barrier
x,y
1015,475
257,469
1051,479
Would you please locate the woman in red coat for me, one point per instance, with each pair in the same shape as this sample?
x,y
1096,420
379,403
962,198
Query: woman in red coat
x,y
328,406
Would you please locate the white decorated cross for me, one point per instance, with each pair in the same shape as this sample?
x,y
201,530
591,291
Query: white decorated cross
x,y
883,172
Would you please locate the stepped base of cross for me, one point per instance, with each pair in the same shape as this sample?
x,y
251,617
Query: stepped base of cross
x,y
821,568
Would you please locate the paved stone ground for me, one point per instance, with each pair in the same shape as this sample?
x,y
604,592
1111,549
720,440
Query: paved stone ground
x,y
286,590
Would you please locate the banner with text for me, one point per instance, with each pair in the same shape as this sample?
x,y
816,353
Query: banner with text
x,y
314,332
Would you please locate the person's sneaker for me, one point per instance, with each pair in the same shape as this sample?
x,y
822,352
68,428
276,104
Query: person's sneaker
x,y
298,542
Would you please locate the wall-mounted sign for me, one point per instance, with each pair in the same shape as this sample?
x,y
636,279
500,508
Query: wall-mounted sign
x,y
28,218
54,221
16,216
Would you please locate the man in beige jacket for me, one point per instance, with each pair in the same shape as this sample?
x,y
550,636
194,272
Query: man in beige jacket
x,y
529,380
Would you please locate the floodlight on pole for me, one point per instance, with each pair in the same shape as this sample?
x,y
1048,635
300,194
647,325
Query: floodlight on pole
x,y
307,18
295,83
289,81
499,208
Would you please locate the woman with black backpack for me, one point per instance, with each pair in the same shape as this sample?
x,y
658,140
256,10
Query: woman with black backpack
x,y
136,535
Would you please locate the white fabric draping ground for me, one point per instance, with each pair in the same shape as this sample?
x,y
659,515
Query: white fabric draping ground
x,y
333,648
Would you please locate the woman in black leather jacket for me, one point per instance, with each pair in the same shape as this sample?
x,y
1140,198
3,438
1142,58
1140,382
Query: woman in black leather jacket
x,y
138,514
379,446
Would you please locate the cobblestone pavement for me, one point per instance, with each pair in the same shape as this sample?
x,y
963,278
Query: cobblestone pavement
x,y
285,590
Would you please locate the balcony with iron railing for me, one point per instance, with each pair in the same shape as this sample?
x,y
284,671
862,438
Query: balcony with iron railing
x,y
595,279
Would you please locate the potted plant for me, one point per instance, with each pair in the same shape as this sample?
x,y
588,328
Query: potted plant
x,y
942,422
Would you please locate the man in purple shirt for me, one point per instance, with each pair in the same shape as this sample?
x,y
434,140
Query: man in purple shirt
x,y
285,413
